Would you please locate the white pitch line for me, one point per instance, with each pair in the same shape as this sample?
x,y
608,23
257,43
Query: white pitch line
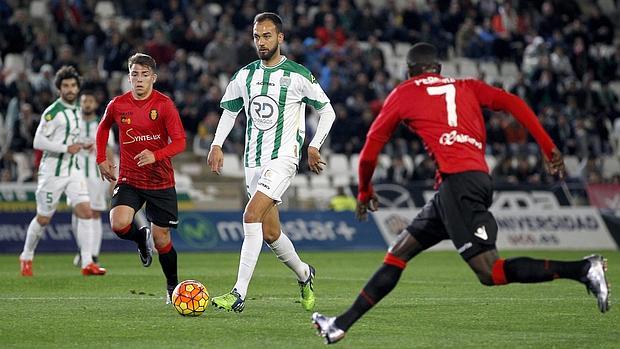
x,y
79,298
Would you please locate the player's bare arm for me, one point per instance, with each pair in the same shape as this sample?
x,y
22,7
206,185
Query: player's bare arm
x,y
215,160
108,170
145,157
74,148
316,164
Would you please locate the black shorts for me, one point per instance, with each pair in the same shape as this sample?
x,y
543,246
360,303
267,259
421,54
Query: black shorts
x,y
459,212
161,204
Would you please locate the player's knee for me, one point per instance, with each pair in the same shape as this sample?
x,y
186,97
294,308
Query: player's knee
x,y
43,220
161,240
119,225
250,216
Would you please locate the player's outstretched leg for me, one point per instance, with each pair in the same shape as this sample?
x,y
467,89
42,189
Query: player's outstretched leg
x,y
589,271
283,248
168,261
327,328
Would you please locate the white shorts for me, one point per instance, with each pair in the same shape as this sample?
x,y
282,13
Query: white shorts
x,y
271,179
50,188
98,191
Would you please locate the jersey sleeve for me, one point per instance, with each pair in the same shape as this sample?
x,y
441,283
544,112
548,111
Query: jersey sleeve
x,y
498,99
48,126
103,132
312,93
380,132
176,133
233,96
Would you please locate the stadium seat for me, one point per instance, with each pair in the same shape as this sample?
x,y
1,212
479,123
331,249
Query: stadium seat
x,y
319,181
341,181
355,162
301,182
611,166
232,166
338,165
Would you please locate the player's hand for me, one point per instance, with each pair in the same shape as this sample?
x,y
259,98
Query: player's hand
x,y
145,157
107,170
89,146
555,165
215,160
315,162
362,208
74,148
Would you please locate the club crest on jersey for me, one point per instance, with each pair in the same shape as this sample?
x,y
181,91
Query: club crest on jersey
x,y
48,117
153,114
285,81
125,120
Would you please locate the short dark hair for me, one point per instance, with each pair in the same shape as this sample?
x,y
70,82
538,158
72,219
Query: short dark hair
x,y
142,59
67,72
422,57
270,16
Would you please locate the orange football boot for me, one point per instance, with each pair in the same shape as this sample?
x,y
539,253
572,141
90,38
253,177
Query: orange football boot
x,y
93,269
26,267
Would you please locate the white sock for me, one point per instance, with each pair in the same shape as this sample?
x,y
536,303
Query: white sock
x,y
74,229
285,251
33,235
250,250
85,237
97,233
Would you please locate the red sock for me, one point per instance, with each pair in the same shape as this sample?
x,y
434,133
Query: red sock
x,y
497,273
390,259
165,249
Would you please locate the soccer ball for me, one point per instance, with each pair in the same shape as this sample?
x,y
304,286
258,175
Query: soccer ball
x,y
190,298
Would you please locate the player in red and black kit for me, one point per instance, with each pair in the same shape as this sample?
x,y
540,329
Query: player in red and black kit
x,y
446,113
150,134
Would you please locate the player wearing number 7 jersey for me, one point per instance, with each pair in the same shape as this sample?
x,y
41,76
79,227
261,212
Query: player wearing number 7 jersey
x,y
274,92
446,113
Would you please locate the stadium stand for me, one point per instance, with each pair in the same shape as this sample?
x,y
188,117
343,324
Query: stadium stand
x,y
561,56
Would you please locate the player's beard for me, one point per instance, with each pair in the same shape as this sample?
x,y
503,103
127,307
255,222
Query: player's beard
x,y
69,97
267,55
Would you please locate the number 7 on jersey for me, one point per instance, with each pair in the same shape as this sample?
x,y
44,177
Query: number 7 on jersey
x,y
450,93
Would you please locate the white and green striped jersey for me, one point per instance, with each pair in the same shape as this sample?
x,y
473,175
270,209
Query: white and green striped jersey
x,y
88,135
59,128
274,99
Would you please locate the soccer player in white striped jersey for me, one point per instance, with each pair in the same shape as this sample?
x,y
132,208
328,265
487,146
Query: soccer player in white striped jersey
x,y
98,189
274,92
59,171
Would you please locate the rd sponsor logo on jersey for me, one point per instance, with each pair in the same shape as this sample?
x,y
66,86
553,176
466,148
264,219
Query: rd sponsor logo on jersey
x,y
153,114
264,112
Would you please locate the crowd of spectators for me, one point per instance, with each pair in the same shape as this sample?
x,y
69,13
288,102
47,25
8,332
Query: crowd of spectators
x,y
567,56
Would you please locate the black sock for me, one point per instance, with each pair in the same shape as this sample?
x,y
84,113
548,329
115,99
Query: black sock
x,y
133,234
381,283
528,270
168,263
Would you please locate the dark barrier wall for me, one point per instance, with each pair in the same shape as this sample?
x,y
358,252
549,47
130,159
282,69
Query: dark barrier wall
x,y
212,231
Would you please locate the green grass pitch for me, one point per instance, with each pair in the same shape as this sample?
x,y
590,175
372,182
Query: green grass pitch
x,y
437,304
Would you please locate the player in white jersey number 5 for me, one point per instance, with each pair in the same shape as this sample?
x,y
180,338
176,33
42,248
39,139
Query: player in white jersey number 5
x,y
274,92
57,136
